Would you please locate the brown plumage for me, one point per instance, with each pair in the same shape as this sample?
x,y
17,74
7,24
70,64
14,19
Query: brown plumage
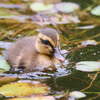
x,y
35,52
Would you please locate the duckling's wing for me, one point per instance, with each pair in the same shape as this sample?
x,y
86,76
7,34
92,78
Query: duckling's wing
x,y
22,49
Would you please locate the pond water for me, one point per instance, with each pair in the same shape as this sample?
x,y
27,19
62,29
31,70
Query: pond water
x,y
80,36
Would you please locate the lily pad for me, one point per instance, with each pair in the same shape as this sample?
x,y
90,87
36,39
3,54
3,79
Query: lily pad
x,y
66,7
88,66
89,42
5,12
40,6
4,66
77,94
4,80
96,11
23,89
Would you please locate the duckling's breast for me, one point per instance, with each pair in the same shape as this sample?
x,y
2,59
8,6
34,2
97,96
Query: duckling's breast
x,y
44,62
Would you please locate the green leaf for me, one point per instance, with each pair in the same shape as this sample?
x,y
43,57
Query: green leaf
x,y
67,7
96,11
88,66
40,6
77,94
4,66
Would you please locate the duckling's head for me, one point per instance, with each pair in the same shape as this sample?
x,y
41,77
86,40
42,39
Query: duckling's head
x,y
48,41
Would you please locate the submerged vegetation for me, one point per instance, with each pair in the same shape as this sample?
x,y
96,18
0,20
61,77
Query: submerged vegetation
x,y
78,21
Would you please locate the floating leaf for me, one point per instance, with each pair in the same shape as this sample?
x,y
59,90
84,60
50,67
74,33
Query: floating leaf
x,y
77,94
38,97
88,66
6,79
66,7
37,6
86,27
14,17
96,11
23,89
89,42
4,66
6,12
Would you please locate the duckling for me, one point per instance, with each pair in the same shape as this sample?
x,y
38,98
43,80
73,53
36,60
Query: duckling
x,y
36,53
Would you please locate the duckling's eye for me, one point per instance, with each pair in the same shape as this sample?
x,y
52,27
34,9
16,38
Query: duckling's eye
x,y
45,42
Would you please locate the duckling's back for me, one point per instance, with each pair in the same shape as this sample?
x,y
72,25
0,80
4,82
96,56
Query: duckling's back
x,y
22,52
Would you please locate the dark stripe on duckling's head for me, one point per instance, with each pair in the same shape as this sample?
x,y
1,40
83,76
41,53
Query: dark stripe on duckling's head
x,y
47,42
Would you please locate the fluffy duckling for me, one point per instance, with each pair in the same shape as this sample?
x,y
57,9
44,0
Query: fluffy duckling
x,y
36,53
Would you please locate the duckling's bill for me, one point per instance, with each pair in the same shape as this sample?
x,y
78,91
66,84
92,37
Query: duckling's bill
x,y
58,55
